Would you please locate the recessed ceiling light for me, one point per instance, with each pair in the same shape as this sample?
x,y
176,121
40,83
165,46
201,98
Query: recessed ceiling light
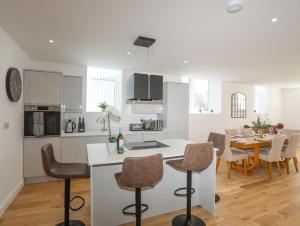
x,y
226,69
51,41
234,6
185,61
255,74
128,52
274,19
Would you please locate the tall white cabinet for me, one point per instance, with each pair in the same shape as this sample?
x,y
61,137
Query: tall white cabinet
x,y
176,109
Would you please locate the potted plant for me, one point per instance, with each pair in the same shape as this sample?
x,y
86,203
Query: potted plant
x,y
110,114
260,126
103,105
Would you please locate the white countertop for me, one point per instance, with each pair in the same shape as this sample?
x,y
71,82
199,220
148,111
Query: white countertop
x,y
105,133
98,156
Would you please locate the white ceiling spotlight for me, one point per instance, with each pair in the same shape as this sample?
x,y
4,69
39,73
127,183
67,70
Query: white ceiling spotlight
x,y
185,61
128,52
234,6
274,19
51,41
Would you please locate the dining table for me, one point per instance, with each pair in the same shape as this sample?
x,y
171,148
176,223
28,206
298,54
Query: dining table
x,y
254,143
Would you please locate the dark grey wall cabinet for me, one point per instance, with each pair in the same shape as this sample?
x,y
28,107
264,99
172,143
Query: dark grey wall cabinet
x,y
156,87
144,87
138,87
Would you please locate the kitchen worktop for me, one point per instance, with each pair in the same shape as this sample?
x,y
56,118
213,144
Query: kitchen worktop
x,y
97,154
105,133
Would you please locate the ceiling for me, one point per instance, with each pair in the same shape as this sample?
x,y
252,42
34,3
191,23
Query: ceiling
x,y
99,33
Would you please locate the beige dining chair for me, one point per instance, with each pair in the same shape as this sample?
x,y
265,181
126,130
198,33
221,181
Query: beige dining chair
x,y
290,151
247,132
288,132
232,132
273,154
232,155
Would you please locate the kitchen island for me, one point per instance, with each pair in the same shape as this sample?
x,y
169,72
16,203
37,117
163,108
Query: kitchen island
x,y
108,200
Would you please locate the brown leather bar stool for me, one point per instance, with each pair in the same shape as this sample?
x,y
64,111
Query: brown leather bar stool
x,y
66,171
138,173
219,142
197,157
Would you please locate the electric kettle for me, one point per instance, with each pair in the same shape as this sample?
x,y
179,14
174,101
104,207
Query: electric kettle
x,y
70,126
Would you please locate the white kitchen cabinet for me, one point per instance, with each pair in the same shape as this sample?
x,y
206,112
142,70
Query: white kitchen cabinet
x,y
73,150
72,94
42,87
134,137
154,136
33,166
96,139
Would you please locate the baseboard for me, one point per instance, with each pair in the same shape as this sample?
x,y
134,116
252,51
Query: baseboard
x,y
11,197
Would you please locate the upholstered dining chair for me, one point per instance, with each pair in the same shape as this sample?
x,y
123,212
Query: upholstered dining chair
x,y
232,132
273,154
232,155
288,132
247,132
290,151
218,141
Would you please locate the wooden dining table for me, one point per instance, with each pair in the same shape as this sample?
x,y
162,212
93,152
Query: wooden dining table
x,y
251,143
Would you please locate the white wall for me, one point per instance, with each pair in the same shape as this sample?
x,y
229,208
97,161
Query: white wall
x,y
201,124
11,139
291,108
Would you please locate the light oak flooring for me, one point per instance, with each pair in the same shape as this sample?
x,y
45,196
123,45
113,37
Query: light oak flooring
x,y
245,201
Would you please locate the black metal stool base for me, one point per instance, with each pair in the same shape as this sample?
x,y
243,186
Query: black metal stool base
x,y
177,192
217,198
180,220
144,207
72,223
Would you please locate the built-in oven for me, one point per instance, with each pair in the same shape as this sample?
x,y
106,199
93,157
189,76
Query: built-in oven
x,y
41,120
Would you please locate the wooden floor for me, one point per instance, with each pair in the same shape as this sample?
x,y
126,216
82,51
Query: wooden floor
x,y
245,200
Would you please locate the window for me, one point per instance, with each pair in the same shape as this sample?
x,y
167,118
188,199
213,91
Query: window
x,y
103,85
238,105
205,96
261,99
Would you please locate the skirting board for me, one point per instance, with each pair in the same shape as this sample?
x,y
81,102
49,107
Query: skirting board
x,y
10,197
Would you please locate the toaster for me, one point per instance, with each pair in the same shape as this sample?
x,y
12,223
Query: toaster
x,y
135,126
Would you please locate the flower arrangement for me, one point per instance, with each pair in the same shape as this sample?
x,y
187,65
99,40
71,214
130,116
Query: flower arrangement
x,y
110,114
260,126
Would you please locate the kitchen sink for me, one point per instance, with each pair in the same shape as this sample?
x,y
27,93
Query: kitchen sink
x,y
144,145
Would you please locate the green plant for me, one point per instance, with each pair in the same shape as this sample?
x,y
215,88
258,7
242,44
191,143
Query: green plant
x,y
112,140
212,110
103,105
259,124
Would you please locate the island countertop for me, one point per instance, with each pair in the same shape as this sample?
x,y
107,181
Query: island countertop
x,y
98,156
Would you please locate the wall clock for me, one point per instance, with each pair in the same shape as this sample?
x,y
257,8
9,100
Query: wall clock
x,y
13,84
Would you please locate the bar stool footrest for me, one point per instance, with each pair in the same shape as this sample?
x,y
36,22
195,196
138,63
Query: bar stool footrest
x,y
146,207
80,206
181,189
72,223
180,220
